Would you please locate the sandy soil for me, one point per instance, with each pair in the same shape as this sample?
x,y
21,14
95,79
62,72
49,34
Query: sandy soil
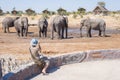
x,y
11,44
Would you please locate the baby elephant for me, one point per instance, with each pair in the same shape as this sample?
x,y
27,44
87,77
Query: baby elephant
x,y
42,25
21,26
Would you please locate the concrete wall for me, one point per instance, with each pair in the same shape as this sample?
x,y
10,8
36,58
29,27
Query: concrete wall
x,y
77,57
59,60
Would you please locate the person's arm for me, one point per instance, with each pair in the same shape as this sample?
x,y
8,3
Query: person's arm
x,y
39,48
41,55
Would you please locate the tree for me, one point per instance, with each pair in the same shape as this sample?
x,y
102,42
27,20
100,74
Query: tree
x,y
52,12
62,11
101,4
30,11
46,11
7,12
14,12
1,11
20,13
81,11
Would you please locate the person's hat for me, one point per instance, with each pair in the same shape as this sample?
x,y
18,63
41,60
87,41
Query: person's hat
x,y
34,42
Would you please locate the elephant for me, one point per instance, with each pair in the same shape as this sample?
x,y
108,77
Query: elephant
x,y
8,22
21,26
59,24
95,24
42,25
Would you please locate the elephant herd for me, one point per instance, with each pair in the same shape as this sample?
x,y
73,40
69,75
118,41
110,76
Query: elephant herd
x,y
58,24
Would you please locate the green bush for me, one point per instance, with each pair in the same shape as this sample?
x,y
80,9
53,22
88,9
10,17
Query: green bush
x,y
45,15
75,16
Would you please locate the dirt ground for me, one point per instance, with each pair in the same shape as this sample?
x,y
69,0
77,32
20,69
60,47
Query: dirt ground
x,y
11,44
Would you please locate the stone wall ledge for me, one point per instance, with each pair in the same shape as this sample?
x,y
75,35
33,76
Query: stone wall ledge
x,y
32,69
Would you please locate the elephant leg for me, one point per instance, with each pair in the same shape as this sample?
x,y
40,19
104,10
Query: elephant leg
x,y
8,29
18,33
66,30
89,32
52,34
45,32
25,32
62,33
21,31
4,28
99,32
58,33
104,33
81,32
39,32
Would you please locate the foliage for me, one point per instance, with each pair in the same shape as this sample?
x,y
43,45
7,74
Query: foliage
x,y
46,11
81,9
52,13
81,12
101,4
62,11
30,12
1,11
20,13
32,18
7,12
45,15
74,16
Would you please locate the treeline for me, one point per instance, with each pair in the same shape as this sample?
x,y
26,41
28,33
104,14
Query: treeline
x,y
30,11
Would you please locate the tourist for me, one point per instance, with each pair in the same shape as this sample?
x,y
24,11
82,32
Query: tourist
x,y
39,59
